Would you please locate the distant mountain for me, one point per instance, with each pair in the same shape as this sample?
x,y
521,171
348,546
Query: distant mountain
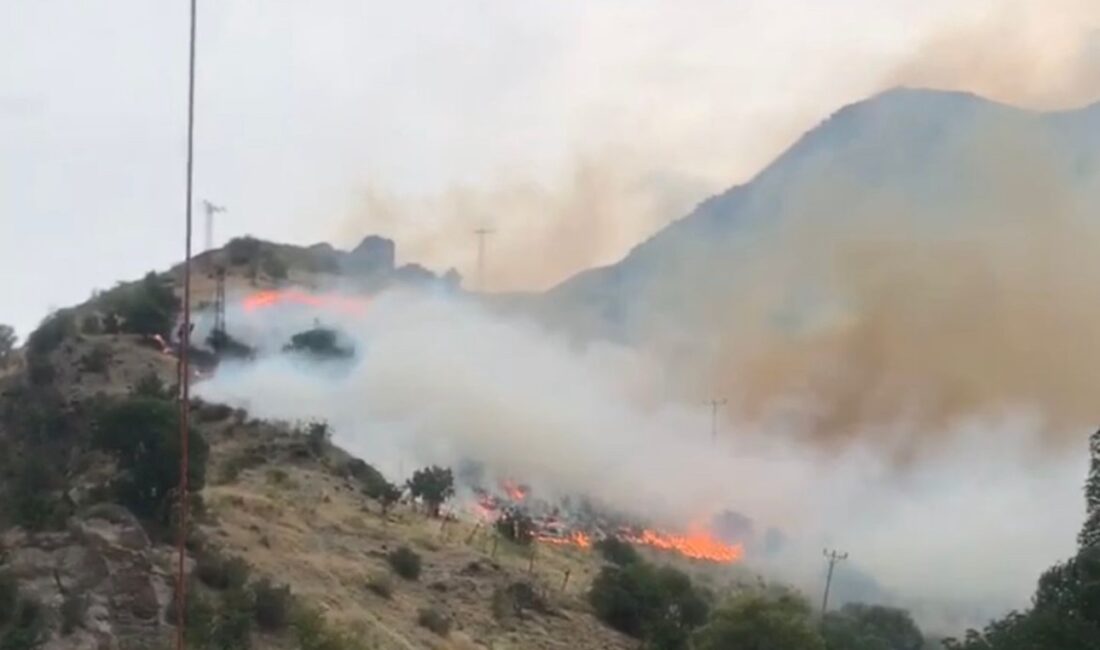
x,y
933,151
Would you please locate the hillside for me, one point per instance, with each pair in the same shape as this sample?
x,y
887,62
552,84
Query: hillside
x,y
939,155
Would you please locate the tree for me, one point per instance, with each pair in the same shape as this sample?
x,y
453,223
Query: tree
x,y
144,433
1090,531
388,495
617,551
516,526
660,606
7,344
433,485
149,307
758,621
54,329
871,627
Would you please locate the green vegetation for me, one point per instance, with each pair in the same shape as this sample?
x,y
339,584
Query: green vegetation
x,y
243,250
91,325
150,385
435,620
34,502
143,433
380,585
319,341
759,621
54,329
516,526
405,563
388,495
147,307
97,359
220,572
318,436
7,344
22,618
432,485
617,551
658,605
871,627
73,610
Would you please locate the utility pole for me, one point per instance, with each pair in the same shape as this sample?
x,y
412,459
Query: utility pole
x,y
833,557
714,404
211,210
481,233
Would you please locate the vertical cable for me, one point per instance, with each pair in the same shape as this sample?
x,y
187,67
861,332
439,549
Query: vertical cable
x,y
185,345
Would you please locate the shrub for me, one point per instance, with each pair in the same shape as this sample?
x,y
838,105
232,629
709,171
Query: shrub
x,y
434,485
859,626
150,385
517,598
658,605
73,609
144,434
380,585
517,526
9,598
273,604
313,633
617,551
434,620
54,329
91,325
7,343
40,371
147,307
370,478
214,412
243,250
111,324
388,495
754,620
34,501
26,628
318,435
319,341
274,267
405,563
220,572
97,359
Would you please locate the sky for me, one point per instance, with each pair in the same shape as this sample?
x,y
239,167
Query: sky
x,y
573,129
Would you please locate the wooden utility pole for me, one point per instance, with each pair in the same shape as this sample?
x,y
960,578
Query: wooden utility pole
x,y
481,233
833,557
715,404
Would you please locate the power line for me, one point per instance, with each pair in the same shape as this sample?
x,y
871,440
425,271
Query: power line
x,y
833,557
481,233
184,369
715,404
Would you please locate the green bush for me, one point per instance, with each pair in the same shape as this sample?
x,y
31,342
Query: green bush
x,y
144,434
617,551
91,325
243,250
54,329
97,359
434,620
9,598
26,628
73,609
150,385
313,633
319,341
387,496
405,563
758,621
433,485
273,605
35,500
40,371
869,627
318,435
147,307
659,605
220,572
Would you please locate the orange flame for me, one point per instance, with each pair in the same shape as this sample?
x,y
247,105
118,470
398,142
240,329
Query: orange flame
x,y
697,544
576,538
514,491
335,302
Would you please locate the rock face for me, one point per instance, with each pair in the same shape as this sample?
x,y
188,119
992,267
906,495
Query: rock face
x,y
373,256
104,561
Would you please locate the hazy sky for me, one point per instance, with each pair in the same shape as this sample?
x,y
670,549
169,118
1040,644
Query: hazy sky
x,y
330,119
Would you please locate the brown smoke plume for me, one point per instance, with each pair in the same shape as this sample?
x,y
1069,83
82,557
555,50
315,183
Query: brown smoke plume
x,y
1037,53
921,316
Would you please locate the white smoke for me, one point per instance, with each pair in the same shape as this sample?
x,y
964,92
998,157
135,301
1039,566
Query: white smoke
x,y
439,379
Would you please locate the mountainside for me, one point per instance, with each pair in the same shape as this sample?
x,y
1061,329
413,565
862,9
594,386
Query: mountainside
x,y
937,154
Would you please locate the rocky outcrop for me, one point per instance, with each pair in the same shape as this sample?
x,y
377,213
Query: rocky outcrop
x,y
101,579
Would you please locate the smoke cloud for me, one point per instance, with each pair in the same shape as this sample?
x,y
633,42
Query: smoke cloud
x,y
1039,53
440,379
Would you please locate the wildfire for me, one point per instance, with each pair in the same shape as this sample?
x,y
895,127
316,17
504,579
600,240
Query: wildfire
x,y
698,545
515,492
336,302
576,538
